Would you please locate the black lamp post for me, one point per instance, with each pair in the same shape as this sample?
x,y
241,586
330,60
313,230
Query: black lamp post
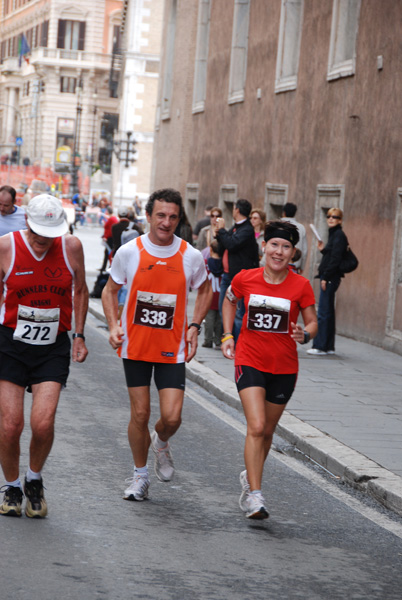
x,y
124,149
74,161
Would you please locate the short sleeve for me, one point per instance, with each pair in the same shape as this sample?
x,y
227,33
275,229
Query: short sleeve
x,y
307,297
195,267
237,285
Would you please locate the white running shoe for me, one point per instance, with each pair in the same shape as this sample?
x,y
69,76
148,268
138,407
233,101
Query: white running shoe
x,y
331,352
164,466
245,487
316,352
255,508
138,488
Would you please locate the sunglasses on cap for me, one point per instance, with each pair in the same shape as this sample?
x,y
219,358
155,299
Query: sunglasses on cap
x,y
333,217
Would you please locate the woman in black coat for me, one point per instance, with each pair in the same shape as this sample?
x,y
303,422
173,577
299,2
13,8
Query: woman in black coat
x,y
330,278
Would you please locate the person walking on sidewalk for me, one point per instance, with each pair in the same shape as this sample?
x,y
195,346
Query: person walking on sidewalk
x,y
39,267
159,269
239,250
266,362
330,278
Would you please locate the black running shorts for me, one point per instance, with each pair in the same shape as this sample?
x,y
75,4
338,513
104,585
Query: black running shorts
x,y
26,365
278,388
166,375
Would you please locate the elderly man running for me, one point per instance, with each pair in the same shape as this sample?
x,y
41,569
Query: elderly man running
x,y
38,268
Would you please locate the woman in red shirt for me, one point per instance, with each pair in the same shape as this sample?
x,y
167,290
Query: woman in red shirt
x,y
266,362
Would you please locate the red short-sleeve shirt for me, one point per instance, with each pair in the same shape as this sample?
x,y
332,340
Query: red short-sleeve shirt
x,y
264,342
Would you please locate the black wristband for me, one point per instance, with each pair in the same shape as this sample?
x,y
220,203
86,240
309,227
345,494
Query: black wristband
x,y
197,325
306,337
79,335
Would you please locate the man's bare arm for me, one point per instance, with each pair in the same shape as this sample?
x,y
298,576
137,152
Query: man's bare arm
x,y
75,255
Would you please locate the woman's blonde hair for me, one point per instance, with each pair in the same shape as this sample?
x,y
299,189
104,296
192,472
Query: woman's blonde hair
x,y
261,214
335,212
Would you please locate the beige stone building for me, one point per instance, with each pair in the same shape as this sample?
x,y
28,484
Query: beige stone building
x,y
296,101
58,95
141,42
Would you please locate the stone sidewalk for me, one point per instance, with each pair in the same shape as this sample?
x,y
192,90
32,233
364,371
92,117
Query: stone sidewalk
x,y
345,414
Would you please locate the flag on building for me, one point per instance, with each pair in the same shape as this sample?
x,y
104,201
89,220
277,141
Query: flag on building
x,y
23,49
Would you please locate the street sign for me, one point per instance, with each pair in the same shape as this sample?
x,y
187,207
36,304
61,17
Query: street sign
x,y
19,141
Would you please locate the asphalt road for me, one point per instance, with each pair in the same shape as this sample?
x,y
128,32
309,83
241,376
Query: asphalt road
x,y
190,539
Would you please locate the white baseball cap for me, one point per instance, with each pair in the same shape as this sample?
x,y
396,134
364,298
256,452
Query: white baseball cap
x,y
46,216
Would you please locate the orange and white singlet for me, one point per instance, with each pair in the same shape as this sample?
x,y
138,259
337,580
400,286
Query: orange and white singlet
x,y
158,280
37,292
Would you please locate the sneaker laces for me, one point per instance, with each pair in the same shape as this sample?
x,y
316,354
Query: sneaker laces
x,y
14,493
245,483
137,477
257,499
34,489
164,456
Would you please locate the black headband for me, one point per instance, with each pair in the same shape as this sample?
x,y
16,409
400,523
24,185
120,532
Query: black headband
x,y
280,233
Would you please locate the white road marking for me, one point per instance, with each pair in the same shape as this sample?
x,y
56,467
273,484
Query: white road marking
x,y
353,503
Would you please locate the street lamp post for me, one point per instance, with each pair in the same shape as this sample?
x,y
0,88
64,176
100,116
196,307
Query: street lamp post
x,y
94,111
92,155
124,150
74,161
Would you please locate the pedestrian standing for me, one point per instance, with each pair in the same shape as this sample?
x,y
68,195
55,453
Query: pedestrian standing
x,y
330,275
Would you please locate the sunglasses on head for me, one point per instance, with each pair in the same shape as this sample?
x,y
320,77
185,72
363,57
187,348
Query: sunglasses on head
x,y
333,217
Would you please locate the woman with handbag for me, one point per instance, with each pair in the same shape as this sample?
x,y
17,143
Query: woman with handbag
x,y
330,275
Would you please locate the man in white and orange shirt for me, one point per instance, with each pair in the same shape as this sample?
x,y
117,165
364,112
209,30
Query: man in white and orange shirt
x,y
152,336
39,268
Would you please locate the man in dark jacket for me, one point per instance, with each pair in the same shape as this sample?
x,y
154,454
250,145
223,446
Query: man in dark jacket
x,y
239,250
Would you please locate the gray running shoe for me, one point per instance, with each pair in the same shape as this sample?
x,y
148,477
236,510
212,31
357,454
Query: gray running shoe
x,y
138,488
164,466
245,487
35,507
11,505
255,507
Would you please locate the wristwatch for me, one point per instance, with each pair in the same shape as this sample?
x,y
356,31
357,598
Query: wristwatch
x,y
197,325
306,337
79,335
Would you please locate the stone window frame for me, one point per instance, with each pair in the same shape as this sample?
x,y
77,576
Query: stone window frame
x,y
167,83
396,272
239,50
342,20
201,56
289,43
275,196
327,196
227,199
191,201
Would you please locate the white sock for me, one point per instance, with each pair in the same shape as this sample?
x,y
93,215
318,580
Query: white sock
x,y
159,443
31,475
16,483
142,471
255,492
